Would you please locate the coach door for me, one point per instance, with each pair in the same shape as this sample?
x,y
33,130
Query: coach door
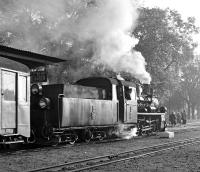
x,y
23,113
8,98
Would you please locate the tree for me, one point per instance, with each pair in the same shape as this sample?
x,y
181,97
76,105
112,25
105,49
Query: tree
x,y
190,85
165,40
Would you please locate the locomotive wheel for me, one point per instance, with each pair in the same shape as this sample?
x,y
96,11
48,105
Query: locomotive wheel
x,y
87,135
103,135
154,127
148,133
74,139
55,140
47,132
101,138
72,142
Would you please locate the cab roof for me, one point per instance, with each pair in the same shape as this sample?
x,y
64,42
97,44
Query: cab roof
x,y
103,82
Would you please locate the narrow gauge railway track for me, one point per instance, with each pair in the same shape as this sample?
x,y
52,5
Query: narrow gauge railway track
x,y
38,148
99,161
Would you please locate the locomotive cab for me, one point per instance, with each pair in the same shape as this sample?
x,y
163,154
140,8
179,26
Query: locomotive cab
x,y
126,94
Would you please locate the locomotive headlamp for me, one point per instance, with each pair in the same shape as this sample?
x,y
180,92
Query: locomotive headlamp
x,y
44,103
36,89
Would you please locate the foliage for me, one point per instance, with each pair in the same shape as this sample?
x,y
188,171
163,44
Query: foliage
x,y
165,40
190,85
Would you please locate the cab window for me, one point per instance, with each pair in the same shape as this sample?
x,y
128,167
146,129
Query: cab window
x,y
130,93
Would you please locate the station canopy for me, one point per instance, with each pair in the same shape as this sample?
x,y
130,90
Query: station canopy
x,y
30,59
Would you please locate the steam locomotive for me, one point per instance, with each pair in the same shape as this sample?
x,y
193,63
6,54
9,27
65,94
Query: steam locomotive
x,y
93,108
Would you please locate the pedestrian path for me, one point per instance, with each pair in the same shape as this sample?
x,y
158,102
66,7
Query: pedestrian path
x,y
190,125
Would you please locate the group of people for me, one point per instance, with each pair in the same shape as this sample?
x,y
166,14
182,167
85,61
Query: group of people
x,y
177,118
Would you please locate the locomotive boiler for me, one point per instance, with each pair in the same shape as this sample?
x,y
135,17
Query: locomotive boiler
x,y
92,108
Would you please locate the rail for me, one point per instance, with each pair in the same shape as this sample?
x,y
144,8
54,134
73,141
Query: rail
x,y
90,163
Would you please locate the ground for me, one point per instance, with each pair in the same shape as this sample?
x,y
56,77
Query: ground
x,y
184,159
180,160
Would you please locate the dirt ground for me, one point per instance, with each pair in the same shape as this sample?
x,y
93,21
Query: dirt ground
x,y
181,160
185,159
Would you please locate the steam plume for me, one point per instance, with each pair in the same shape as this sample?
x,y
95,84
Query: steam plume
x,y
122,132
96,29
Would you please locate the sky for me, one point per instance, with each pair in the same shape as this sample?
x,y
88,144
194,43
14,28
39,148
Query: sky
x,y
187,8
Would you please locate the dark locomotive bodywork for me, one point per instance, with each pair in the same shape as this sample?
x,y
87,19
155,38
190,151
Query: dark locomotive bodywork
x,y
93,107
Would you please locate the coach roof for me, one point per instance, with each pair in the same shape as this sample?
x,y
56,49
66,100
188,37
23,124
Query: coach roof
x,y
30,59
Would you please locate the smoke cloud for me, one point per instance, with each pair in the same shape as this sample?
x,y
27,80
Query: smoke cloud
x,y
96,29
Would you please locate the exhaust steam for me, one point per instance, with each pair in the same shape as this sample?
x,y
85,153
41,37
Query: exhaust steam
x,y
123,133
98,30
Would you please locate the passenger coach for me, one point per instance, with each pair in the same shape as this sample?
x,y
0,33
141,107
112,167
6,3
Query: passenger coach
x,y
15,66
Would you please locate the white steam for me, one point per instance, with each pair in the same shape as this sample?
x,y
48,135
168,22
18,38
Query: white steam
x,y
98,29
122,132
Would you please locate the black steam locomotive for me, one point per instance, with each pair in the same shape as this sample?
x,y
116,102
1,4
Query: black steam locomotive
x,y
93,108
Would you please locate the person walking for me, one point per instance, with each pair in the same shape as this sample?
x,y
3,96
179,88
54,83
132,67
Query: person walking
x,y
172,119
183,116
178,117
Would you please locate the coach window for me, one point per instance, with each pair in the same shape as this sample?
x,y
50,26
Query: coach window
x,y
9,85
22,88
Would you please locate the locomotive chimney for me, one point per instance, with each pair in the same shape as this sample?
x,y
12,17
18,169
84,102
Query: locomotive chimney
x,y
119,77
